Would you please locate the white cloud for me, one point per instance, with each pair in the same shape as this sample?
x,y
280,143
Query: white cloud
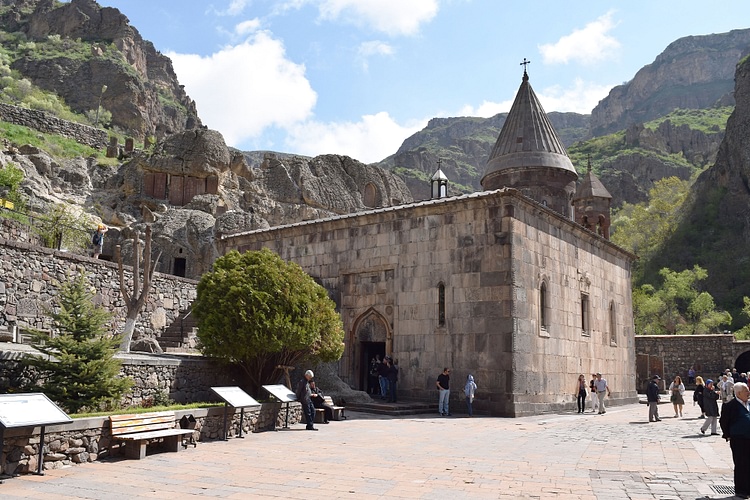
x,y
235,7
243,89
246,27
393,17
371,139
587,46
486,109
581,98
372,48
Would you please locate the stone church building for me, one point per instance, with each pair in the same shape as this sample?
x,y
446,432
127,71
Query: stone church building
x,y
517,285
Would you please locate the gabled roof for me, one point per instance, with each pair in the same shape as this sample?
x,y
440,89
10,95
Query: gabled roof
x,y
527,138
591,187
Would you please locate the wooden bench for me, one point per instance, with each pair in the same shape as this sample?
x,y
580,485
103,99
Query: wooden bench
x,y
320,415
338,411
138,429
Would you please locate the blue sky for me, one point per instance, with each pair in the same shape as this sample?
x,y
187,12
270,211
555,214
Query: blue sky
x,y
357,77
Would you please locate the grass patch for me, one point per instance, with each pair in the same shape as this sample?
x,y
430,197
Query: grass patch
x,y
55,145
139,410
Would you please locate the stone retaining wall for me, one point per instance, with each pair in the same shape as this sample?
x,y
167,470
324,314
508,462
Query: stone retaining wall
x,y
12,230
183,379
30,277
89,439
708,354
50,124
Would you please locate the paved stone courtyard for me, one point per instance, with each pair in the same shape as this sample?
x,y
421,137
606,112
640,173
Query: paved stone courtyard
x,y
566,456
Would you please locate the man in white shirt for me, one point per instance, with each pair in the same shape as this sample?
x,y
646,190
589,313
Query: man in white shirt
x,y
601,389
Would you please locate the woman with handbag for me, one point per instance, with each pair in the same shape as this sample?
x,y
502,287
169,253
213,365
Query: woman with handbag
x,y
676,391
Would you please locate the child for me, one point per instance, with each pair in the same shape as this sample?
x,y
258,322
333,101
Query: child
x,y
98,240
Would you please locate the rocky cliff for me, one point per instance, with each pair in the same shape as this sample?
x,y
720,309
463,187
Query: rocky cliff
x,y
79,48
692,72
192,187
715,231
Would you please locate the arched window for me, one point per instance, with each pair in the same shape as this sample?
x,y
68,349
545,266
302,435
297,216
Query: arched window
x,y
441,304
612,324
543,305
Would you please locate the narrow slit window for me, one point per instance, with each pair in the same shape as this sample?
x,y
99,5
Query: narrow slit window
x,y
585,324
441,304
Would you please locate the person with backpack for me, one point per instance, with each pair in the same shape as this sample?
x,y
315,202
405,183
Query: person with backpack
x,y
97,240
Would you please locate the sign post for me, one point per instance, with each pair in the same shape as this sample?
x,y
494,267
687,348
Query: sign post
x,y
283,394
29,410
236,398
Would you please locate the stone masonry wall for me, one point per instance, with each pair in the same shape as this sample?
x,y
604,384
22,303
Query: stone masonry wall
x,y
88,439
181,378
385,268
709,354
185,379
50,124
30,277
21,233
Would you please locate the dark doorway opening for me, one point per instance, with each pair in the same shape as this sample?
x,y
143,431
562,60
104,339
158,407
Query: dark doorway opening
x,y
743,363
180,264
369,350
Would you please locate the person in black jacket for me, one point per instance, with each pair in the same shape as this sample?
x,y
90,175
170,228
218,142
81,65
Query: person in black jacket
x,y
318,401
735,427
304,396
710,407
700,386
652,395
392,378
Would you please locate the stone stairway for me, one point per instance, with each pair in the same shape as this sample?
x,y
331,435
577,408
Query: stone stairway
x,y
176,337
394,409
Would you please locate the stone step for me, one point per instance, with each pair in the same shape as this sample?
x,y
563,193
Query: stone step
x,y
393,409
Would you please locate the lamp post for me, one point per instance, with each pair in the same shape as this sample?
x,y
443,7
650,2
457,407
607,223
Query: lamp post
x,y
101,94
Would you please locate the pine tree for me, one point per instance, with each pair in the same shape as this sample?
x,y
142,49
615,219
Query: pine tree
x,y
78,369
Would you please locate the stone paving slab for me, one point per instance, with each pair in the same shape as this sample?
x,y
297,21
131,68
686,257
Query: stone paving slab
x,y
563,456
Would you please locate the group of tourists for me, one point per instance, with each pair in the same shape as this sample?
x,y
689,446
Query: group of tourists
x,y
382,378
597,387
733,419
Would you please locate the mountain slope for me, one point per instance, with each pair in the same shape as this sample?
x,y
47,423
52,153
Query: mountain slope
x,y
692,72
88,55
715,231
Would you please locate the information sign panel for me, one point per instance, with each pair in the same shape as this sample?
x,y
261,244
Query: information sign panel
x,y
22,410
235,396
281,392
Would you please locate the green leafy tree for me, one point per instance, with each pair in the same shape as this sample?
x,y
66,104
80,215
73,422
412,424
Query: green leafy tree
x,y
644,227
744,332
78,369
11,177
678,307
258,312
66,227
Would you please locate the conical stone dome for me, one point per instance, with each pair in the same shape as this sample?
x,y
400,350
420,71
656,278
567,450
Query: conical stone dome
x,y
529,156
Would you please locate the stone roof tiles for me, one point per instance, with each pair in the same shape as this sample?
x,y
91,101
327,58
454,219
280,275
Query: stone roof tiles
x,y
527,138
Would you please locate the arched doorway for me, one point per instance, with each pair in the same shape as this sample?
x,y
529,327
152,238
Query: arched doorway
x,y
743,362
371,337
